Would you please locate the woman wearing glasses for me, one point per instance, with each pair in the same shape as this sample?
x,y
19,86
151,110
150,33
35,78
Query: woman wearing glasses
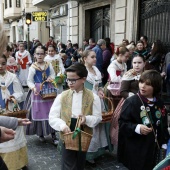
x,y
94,83
39,109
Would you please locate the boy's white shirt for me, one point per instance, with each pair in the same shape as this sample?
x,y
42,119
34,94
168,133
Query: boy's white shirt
x,y
91,120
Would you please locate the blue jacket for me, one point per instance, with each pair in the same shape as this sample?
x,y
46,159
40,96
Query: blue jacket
x,y
99,57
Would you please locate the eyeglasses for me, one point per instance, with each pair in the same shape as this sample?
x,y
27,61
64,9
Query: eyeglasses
x,y
72,81
39,53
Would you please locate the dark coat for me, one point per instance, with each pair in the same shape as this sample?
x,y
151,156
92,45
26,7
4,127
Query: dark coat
x,y
155,61
137,151
69,52
99,57
106,62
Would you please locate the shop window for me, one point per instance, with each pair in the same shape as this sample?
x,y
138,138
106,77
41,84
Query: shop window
x,y
10,3
6,5
18,3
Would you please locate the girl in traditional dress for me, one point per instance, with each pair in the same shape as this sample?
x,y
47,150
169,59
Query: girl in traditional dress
x,y
57,64
118,66
116,70
100,139
13,152
143,124
129,87
23,59
39,109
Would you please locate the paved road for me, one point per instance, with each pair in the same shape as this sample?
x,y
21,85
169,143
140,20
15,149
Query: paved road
x,y
44,156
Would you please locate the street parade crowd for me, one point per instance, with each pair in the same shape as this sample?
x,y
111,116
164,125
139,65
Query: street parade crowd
x,y
104,96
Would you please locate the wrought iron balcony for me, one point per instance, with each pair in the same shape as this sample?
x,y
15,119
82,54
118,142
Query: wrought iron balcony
x,y
12,13
45,4
50,3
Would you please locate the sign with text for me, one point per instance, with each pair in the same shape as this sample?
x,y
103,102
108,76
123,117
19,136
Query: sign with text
x,y
39,16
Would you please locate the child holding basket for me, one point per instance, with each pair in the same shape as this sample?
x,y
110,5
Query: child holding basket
x,y
39,72
77,102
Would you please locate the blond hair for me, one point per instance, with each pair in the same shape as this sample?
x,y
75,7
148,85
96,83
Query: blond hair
x,y
3,38
85,54
130,47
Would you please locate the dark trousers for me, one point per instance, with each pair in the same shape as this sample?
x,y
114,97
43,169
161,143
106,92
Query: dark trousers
x,y
3,165
72,160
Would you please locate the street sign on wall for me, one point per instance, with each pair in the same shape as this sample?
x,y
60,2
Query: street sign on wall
x,y
39,16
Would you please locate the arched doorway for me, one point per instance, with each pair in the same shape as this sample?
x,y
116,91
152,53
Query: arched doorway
x,y
98,23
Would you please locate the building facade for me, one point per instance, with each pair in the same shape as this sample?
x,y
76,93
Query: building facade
x,y
76,20
13,13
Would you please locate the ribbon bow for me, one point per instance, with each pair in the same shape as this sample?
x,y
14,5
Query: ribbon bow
x,y
77,132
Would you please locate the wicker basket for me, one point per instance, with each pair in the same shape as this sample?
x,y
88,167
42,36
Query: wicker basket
x,y
49,92
77,144
107,116
16,111
114,88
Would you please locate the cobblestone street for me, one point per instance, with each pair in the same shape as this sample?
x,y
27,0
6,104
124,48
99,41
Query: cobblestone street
x,y
44,156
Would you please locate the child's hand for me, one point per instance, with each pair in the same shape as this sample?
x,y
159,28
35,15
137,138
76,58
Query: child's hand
x,y
35,91
163,74
49,79
101,94
6,134
23,122
144,130
66,129
83,119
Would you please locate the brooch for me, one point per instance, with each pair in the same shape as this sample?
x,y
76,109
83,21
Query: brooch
x,y
143,113
148,109
158,122
142,107
163,111
158,114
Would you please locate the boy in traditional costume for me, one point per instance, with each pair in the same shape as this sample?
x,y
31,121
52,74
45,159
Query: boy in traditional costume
x,y
143,125
68,106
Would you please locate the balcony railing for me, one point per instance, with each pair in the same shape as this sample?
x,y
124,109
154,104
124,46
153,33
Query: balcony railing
x,y
47,3
12,13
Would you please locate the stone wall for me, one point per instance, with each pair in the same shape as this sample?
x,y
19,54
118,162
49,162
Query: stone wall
x,y
126,20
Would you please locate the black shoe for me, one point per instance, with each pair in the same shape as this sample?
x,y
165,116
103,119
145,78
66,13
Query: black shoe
x,y
91,163
41,138
24,168
55,141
